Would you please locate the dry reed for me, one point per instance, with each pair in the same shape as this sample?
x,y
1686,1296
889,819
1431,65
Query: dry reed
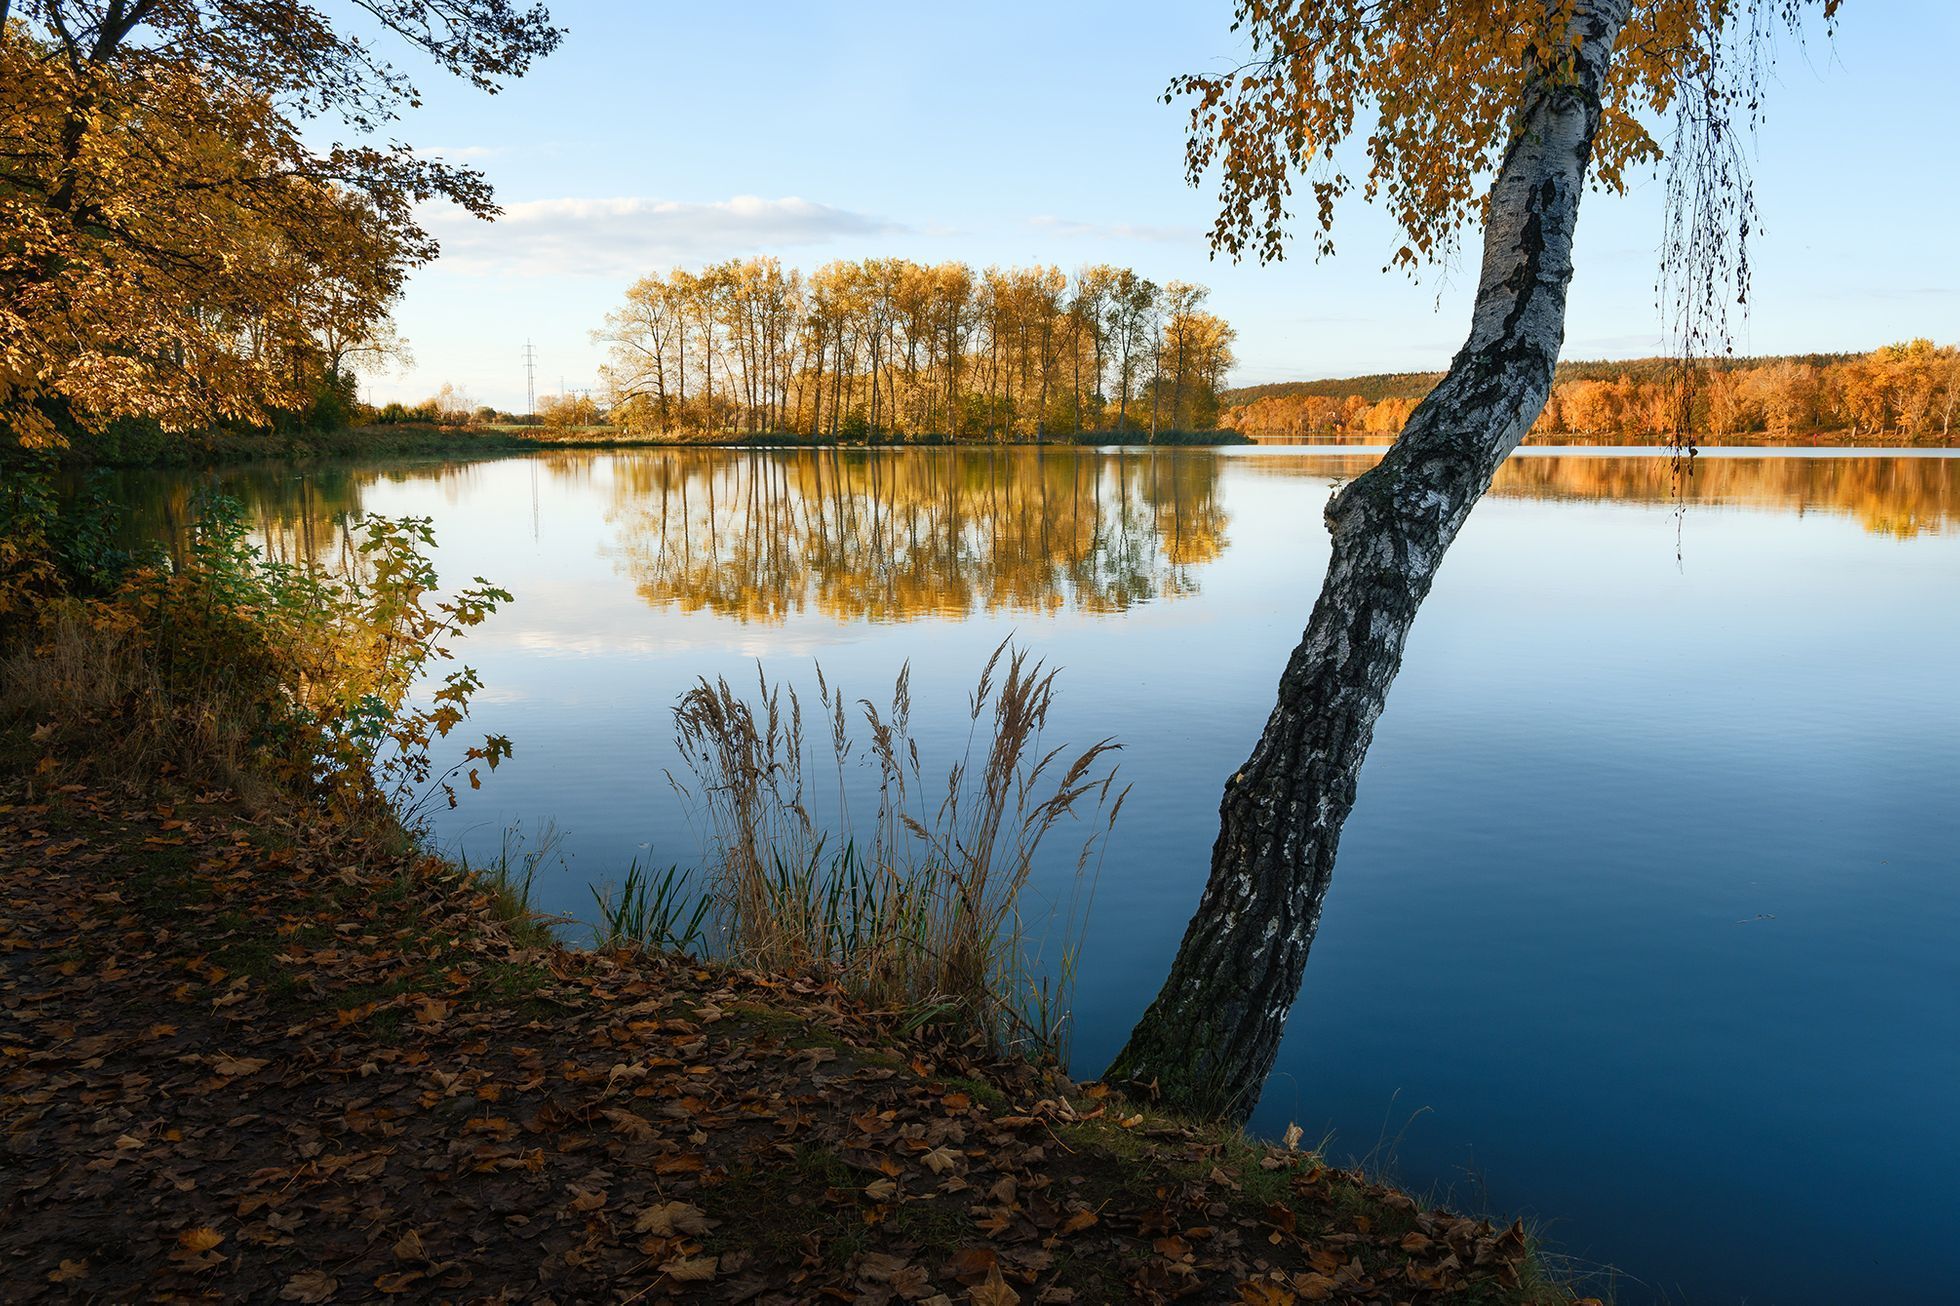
x,y
925,912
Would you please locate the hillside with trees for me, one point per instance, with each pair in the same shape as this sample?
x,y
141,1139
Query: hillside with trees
x,y
1904,392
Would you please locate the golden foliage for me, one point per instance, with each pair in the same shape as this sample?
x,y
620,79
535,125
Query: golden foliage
x,y
1904,391
172,246
1431,91
891,349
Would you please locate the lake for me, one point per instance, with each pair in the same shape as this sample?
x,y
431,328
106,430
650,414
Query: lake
x,y
1646,923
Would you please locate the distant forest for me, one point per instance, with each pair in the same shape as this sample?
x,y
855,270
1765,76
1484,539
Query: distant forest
x,y
1909,391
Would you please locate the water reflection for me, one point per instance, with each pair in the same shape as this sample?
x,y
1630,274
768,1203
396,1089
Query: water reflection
x,y
1887,494
897,535
1788,699
892,536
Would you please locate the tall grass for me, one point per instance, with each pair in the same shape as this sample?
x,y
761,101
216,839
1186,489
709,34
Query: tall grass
x,y
925,909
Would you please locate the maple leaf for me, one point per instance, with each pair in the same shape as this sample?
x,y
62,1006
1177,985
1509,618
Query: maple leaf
x,y
234,1067
665,1219
970,1263
993,1291
311,1286
68,1271
200,1239
690,1269
637,1127
1256,1292
941,1159
1314,1287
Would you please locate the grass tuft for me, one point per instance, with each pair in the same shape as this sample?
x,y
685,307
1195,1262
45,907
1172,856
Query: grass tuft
x,y
924,915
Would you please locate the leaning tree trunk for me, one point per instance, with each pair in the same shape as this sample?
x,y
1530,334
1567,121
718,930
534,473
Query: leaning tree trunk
x,y
1208,1041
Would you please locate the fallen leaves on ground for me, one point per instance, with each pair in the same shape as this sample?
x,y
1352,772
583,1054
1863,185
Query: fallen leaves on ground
x,y
256,1060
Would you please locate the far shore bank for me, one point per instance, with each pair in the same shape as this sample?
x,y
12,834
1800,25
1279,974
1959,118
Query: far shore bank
x,y
210,448
493,441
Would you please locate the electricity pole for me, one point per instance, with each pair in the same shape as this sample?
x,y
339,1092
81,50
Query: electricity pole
x,y
530,382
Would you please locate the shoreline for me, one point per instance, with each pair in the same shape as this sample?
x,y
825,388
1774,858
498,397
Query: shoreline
x,y
258,1058
458,442
362,442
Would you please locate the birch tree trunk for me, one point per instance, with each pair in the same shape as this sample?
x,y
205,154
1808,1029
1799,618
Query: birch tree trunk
x,y
1209,1040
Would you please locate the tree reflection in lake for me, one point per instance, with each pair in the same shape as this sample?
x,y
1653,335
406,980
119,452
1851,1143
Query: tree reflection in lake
x,y
1901,495
893,535
902,534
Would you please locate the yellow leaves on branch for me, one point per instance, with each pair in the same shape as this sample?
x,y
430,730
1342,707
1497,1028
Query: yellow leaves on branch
x,y
1431,91
173,251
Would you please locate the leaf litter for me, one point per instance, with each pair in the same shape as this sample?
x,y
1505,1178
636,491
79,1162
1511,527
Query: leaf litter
x,y
247,1058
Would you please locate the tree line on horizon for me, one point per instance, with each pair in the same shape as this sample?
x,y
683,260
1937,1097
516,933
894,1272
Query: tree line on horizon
x,y
1909,391
890,349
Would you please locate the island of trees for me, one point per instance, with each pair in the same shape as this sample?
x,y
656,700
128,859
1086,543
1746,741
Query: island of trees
x,y
888,349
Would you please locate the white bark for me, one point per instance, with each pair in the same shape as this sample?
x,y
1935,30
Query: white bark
x,y
1208,1041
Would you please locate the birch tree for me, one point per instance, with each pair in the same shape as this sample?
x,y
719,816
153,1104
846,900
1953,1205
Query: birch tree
x,y
1540,97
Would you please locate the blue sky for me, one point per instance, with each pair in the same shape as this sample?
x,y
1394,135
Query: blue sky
x,y
665,134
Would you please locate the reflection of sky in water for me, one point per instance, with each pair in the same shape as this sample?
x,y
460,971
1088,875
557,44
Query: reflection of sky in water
x,y
1648,903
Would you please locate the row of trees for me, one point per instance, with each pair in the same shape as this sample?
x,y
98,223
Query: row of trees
x,y
1906,391
887,349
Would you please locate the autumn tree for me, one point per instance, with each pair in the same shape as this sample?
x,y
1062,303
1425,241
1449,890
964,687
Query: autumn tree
x,y
888,349
175,243
1909,390
1132,326
1540,97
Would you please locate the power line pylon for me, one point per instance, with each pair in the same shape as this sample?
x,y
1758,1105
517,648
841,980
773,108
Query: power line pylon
x,y
530,382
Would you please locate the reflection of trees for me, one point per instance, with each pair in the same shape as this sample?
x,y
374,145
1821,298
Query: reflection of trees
x,y
892,535
1894,496
295,512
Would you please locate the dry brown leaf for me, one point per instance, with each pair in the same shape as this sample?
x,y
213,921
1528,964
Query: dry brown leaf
x,y
665,1219
310,1286
1257,1292
234,1067
993,1291
200,1239
690,1269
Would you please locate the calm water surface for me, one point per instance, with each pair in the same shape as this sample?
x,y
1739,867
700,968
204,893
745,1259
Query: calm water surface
x,y
1647,922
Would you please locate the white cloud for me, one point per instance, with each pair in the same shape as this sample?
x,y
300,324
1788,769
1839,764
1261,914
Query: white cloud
x,y
629,235
458,153
1068,227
